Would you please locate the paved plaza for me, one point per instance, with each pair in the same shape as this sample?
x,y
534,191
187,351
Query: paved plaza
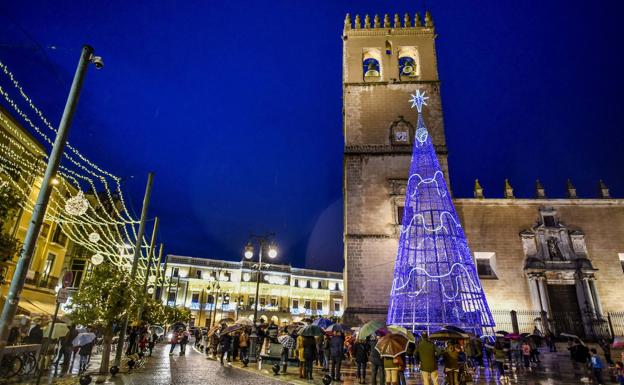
x,y
195,368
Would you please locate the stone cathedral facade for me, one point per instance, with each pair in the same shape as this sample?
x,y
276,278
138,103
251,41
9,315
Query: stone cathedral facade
x,y
564,257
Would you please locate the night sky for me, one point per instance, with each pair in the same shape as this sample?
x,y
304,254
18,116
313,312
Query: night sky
x,y
236,105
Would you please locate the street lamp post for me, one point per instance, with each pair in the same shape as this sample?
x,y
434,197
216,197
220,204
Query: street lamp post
x,y
19,276
263,242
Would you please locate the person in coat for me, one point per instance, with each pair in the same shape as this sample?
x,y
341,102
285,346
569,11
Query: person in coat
x,y
361,351
309,355
85,355
174,341
336,346
243,346
426,355
300,356
451,364
35,336
326,353
184,340
377,363
225,343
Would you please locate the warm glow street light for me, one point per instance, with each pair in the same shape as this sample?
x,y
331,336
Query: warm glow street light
x,y
271,252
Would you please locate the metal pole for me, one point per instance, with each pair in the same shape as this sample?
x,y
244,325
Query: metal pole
x,y
158,272
170,279
135,261
150,256
258,282
38,213
44,348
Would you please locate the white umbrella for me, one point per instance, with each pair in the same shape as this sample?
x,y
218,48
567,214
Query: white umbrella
x,y
60,330
83,339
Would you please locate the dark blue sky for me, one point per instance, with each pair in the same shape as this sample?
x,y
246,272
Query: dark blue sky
x,y
237,105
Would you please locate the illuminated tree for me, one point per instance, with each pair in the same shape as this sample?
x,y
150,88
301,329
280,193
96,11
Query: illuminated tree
x,y
435,279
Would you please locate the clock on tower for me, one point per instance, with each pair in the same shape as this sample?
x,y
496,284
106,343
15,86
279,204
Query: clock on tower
x,y
400,132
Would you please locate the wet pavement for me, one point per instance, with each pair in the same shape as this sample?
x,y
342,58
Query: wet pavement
x,y
195,368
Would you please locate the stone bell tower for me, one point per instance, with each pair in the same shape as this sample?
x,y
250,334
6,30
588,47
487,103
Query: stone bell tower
x,y
384,62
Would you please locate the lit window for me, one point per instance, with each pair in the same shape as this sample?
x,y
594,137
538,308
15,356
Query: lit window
x,y
336,306
486,264
306,305
195,298
274,301
47,268
176,271
295,304
198,274
319,306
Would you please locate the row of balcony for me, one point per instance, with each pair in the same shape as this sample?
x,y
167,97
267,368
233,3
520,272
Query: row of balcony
x,y
266,308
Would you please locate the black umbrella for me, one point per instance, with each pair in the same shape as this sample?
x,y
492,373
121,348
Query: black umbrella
x,y
455,328
502,332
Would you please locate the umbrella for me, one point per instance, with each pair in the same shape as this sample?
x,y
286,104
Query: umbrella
x,y
455,328
286,341
293,327
158,330
569,335
403,331
233,328
179,324
227,321
60,330
311,331
618,342
83,339
244,322
445,334
213,330
323,323
335,328
307,320
502,332
369,328
392,345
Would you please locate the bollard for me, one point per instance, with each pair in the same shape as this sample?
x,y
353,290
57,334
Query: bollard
x,y
85,380
114,370
514,321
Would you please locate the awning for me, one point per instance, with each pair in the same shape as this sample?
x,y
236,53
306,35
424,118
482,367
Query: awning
x,y
34,307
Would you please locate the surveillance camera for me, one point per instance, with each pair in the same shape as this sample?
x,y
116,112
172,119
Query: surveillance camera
x,y
97,61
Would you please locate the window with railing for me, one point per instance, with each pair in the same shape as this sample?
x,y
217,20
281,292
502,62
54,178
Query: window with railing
x,y
59,236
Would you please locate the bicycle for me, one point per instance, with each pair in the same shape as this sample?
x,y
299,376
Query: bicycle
x,y
29,363
10,365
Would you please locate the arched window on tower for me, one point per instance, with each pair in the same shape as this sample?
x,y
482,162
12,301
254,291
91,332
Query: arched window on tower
x,y
371,64
409,66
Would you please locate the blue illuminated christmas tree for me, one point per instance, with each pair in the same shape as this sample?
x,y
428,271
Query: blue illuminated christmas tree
x,y
435,279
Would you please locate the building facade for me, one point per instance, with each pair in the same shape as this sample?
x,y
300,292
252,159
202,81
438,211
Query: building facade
x,y
52,245
559,256
216,289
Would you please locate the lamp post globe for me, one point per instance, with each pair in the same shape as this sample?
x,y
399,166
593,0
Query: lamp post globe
x,y
249,251
272,251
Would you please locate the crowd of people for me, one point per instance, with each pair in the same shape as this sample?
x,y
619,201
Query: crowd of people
x,y
460,358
